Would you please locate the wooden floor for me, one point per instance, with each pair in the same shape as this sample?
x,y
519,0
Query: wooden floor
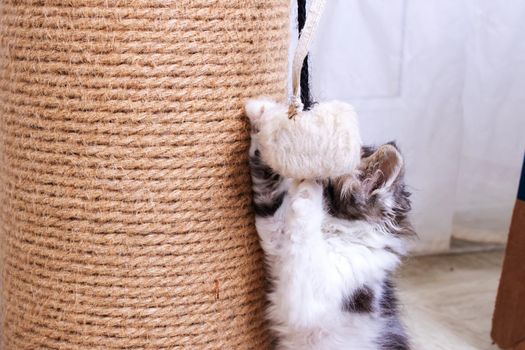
x,y
448,300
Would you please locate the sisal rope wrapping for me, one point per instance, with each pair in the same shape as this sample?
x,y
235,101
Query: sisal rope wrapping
x,y
125,209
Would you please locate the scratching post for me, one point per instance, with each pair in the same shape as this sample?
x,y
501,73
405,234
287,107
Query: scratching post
x,y
125,209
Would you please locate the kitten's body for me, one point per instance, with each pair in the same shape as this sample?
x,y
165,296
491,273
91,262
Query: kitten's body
x,y
331,247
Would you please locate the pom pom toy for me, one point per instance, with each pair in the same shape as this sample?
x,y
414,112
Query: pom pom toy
x,y
320,143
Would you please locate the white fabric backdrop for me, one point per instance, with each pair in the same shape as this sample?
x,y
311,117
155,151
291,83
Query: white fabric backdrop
x,y
494,115
446,79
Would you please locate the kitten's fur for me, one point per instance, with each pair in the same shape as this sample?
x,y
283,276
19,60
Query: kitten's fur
x,y
331,247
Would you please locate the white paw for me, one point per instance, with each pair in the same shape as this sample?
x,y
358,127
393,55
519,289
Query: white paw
x,y
309,189
255,110
306,211
301,207
307,197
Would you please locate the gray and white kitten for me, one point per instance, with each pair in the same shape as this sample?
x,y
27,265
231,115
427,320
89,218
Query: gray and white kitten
x,y
331,248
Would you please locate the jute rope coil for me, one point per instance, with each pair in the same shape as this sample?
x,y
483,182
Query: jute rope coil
x,y
125,209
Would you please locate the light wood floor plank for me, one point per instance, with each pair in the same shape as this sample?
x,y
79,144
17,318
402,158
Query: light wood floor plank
x,y
448,300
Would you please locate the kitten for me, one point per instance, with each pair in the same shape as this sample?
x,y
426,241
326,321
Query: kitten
x,y
331,248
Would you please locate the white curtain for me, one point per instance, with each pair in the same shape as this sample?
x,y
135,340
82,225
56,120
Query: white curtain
x,y
446,80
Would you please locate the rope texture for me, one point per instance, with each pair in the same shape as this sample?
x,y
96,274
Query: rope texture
x,y
125,200
306,97
307,27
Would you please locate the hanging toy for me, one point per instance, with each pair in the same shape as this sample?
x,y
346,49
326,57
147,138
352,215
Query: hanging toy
x,y
320,143
323,142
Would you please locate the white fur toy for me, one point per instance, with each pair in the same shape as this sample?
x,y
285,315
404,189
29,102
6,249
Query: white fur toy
x,y
321,143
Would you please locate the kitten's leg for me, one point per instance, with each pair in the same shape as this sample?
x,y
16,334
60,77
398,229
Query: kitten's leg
x,y
267,185
306,211
309,285
269,194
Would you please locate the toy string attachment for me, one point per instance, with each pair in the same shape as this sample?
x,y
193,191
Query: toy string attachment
x,y
305,39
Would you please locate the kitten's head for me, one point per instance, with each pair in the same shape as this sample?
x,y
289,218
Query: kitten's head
x,y
375,192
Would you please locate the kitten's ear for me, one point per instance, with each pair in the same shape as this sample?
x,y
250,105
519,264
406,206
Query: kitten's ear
x,y
382,168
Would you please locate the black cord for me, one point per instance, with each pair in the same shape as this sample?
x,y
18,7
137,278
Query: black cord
x,y
306,97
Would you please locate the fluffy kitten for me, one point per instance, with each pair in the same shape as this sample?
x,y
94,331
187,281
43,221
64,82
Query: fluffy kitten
x,y
331,247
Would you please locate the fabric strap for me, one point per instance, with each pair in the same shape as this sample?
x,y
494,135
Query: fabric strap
x,y
312,20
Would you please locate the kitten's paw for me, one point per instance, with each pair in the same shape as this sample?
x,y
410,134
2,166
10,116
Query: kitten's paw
x,y
306,210
301,207
309,189
307,197
255,111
